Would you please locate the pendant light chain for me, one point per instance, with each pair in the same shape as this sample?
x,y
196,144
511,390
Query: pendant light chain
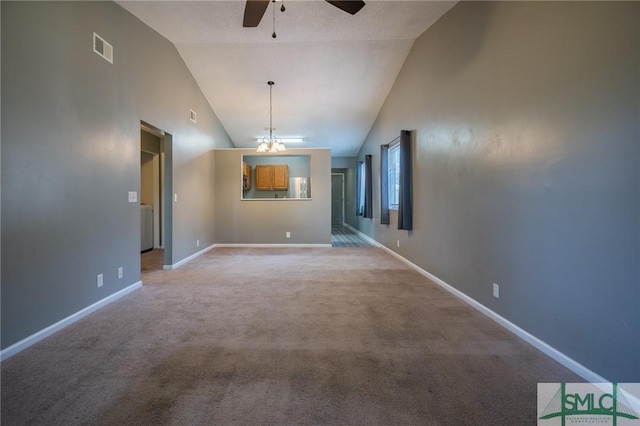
x,y
274,19
272,144
282,9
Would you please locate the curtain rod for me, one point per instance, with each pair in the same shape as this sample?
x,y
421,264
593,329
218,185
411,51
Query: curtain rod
x,y
389,143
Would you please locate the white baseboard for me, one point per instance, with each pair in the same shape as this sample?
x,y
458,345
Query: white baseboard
x,y
275,245
46,332
571,364
187,259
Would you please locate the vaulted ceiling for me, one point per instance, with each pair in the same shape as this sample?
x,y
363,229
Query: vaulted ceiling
x,y
332,70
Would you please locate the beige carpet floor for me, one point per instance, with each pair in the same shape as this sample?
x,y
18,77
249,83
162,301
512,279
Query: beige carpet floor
x,y
247,336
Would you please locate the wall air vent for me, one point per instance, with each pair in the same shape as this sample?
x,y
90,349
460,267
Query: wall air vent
x,y
192,115
102,48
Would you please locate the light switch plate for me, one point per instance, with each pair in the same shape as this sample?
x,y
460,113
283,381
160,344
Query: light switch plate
x,y
133,197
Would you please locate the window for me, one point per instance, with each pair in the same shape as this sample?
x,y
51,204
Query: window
x,y
393,170
362,171
396,184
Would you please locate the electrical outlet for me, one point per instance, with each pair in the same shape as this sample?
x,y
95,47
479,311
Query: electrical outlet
x,y
288,234
100,280
197,243
120,272
398,243
496,291
175,198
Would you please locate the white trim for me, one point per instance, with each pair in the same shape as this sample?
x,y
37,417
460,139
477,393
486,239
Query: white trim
x,y
563,359
187,259
275,245
48,331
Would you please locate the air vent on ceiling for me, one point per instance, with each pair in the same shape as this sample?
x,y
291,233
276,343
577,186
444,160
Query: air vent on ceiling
x,y
192,115
102,48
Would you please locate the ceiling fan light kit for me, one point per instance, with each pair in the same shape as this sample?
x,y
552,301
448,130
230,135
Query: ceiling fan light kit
x,y
254,10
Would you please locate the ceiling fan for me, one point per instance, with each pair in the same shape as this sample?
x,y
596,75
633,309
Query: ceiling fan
x,y
254,9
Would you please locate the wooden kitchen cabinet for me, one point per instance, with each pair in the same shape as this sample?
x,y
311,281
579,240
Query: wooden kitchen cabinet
x,y
281,177
272,177
264,177
246,176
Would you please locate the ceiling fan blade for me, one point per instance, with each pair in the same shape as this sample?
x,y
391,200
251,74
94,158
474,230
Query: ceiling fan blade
x,y
351,7
253,12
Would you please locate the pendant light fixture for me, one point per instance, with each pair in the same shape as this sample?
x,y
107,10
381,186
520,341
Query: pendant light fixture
x,y
271,144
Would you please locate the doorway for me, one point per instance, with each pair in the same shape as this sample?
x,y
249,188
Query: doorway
x,y
337,199
155,197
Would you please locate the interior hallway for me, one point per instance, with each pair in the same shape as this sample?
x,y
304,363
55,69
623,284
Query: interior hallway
x,y
152,260
345,236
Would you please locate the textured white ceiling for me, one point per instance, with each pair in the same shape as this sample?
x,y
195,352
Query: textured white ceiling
x,y
332,71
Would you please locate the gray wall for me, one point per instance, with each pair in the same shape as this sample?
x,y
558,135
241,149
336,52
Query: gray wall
x,y
526,169
266,221
71,152
343,162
